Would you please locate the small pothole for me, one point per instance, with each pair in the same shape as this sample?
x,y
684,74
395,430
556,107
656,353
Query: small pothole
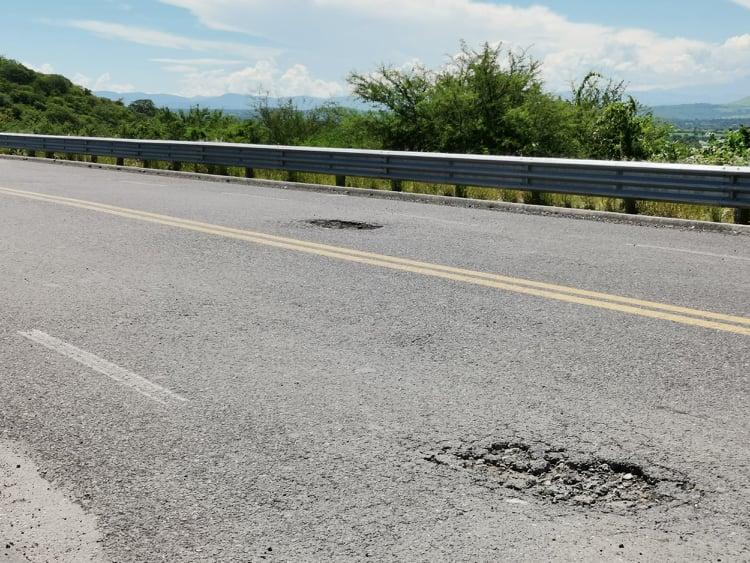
x,y
551,474
339,224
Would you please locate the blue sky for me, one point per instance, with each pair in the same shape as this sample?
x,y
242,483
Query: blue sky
x,y
667,50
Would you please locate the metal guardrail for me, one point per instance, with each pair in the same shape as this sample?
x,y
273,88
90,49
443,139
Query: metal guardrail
x,y
725,186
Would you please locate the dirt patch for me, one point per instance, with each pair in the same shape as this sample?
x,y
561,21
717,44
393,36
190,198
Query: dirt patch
x,y
339,224
37,522
552,474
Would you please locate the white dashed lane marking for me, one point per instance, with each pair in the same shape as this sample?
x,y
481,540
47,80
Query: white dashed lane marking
x,y
124,377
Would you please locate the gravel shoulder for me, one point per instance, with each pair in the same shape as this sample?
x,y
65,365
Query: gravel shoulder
x,y
37,521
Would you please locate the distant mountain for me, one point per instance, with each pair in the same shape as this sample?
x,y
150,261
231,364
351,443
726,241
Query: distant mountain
x,y
697,115
744,102
688,116
230,103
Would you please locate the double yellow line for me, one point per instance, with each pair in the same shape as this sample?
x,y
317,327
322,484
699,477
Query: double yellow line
x,y
650,309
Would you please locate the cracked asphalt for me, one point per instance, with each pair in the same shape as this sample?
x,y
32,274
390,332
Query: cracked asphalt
x,y
318,389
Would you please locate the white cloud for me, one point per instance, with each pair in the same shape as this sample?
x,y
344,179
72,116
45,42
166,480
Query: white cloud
x,y
125,7
197,62
743,3
44,68
101,83
193,66
263,77
332,37
181,69
260,70
156,38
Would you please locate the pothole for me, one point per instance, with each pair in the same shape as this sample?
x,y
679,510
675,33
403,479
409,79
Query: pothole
x,y
552,475
339,224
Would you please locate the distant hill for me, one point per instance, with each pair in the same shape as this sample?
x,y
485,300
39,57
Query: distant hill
x,y
706,115
744,102
50,103
229,103
33,102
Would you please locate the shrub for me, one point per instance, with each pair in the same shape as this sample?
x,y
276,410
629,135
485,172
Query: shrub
x,y
15,72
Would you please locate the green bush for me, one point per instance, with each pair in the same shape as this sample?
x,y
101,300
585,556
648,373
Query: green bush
x,y
53,84
15,72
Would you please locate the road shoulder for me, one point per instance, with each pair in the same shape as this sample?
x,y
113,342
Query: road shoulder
x,y
37,521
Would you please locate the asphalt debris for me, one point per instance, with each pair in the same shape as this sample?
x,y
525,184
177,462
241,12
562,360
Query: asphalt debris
x,y
555,475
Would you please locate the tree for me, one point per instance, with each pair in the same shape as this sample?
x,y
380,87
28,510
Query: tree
x,y
613,126
489,101
286,124
143,107
15,72
53,84
733,148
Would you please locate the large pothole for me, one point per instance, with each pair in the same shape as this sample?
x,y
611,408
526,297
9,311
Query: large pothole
x,y
339,224
551,474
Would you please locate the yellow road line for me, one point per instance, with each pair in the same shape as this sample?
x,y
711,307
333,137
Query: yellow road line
x,y
405,261
650,309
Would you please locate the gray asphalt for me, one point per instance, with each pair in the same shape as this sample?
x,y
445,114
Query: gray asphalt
x,y
318,390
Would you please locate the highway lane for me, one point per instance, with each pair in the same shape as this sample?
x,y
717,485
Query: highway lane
x,y
315,386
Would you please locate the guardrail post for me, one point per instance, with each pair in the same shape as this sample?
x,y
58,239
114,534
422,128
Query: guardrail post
x,y
94,159
742,216
630,205
535,196
120,161
176,166
396,185
249,172
340,181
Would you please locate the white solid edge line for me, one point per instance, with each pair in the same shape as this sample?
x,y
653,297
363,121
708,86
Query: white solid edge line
x,y
462,223
123,376
687,251
261,196
149,184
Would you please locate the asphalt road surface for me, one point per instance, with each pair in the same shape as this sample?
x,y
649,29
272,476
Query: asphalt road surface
x,y
203,375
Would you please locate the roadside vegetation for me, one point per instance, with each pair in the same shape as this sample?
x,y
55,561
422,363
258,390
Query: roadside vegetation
x,y
485,101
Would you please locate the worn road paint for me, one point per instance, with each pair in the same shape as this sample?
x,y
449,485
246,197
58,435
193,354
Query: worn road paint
x,y
137,183
261,196
516,501
423,218
686,251
650,309
127,378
